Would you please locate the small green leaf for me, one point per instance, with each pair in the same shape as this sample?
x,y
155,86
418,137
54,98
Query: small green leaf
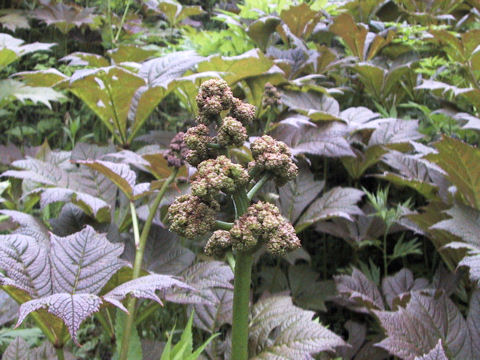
x,y
135,346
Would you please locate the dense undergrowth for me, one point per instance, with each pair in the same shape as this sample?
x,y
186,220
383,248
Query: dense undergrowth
x,y
378,102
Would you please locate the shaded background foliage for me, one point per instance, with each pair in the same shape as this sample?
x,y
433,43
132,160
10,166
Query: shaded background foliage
x,y
379,101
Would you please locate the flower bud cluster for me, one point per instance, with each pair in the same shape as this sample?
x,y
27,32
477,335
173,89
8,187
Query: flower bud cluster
x,y
177,152
274,157
231,133
213,97
218,175
195,214
197,140
271,96
263,224
191,217
218,244
243,112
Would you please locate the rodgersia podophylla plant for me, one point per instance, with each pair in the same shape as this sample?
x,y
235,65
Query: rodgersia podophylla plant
x,y
221,125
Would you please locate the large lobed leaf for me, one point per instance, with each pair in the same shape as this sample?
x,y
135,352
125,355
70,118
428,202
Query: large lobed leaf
x,y
67,277
62,182
63,16
437,353
18,349
279,330
413,171
325,139
360,291
12,48
416,329
464,223
337,202
296,195
15,90
461,162
121,175
108,91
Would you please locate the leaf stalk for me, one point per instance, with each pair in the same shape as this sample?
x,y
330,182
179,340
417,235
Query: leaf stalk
x,y
129,321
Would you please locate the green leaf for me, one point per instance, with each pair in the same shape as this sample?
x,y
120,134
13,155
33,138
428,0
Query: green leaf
x,y
356,166
85,59
300,20
183,350
109,92
46,78
121,175
173,10
404,248
14,19
185,346
135,346
237,68
461,162
381,83
361,43
260,30
130,53
15,90
12,48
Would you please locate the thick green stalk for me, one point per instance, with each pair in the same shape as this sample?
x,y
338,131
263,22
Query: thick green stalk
x,y
241,201
241,291
241,300
141,241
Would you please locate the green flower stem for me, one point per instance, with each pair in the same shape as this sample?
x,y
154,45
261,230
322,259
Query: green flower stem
x,y
223,225
125,12
146,312
241,201
60,354
137,266
214,146
105,324
385,256
241,291
136,231
258,186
